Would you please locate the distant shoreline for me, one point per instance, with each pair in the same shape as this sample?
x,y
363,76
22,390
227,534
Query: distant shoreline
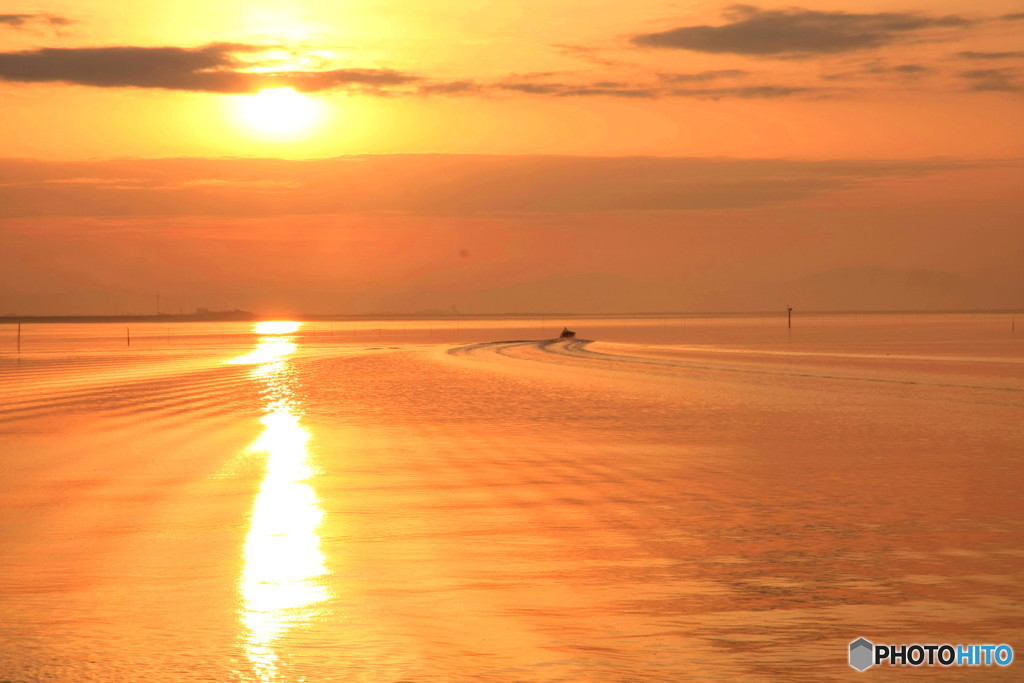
x,y
246,316
213,317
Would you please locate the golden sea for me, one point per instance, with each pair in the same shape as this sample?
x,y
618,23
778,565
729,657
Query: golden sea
x,y
660,499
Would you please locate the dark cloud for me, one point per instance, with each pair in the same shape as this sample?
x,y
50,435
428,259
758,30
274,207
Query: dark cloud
x,y
795,32
16,20
451,88
537,88
899,71
222,68
1016,16
597,89
994,80
28,20
748,92
663,89
211,68
703,76
173,68
312,81
990,55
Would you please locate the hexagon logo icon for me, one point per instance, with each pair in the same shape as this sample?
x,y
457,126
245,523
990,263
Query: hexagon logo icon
x,y
861,654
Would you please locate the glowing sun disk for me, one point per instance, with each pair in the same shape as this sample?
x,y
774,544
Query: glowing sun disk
x,y
279,112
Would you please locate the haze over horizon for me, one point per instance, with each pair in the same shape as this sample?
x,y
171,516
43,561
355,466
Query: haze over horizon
x,y
316,158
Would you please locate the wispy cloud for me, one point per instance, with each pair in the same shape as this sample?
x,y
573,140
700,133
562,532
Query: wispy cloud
x,y
797,32
241,185
37,20
591,54
994,80
970,54
598,89
666,85
105,181
900,72
703,76
750,92
452,88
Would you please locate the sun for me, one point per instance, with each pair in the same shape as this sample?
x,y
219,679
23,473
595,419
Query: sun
x,y
280,113
276,327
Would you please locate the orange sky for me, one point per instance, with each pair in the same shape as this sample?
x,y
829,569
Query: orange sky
x,y
499,156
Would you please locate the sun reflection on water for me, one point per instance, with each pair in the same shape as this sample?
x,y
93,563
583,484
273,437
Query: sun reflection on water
x,y
281,586
276,327
268,351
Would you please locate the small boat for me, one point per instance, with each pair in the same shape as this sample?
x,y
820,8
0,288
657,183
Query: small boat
x,y
567,334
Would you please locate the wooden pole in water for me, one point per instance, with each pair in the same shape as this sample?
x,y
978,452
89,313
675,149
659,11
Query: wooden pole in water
x,y
128,336
19,337
789,317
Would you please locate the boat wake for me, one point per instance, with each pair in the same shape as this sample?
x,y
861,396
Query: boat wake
x,y
747,365
565,349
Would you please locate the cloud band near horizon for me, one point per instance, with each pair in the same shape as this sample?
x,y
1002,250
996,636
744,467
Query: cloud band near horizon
x,y
429,184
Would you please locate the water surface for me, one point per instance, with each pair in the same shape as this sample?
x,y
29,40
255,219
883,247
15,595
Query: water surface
x,y
681,499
